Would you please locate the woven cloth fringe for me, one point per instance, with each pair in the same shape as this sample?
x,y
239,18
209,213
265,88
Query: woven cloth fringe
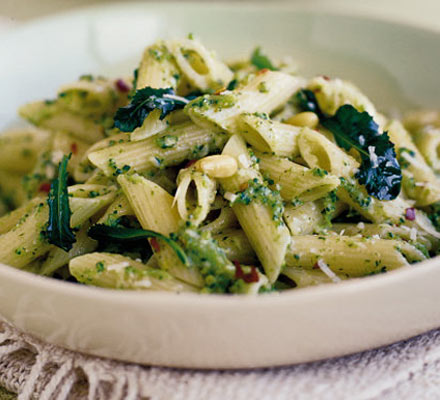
x,y
37,370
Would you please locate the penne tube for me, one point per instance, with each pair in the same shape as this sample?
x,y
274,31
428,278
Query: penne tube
x,y
152,205
307,277
91,97
269,136
12,192
224,221
191,142
295,181
236,246
158,68
57,257
199,66
223,111
334,93
194,209
19,149
49,116
319,152
418,179
312,217
383,231
9,220
120,207
25,242
119,272
264,228
350,255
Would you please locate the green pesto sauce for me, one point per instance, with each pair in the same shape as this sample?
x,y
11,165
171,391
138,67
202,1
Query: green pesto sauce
x,y
402,161
434,215
356,194
115,169
261,193
262,87
261,115
206,255
319,172
329,209
217,102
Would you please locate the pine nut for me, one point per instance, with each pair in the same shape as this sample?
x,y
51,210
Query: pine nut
x,y
219,166
308,119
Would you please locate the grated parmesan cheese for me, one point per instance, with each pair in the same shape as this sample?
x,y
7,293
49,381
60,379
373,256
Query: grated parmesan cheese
x,y
243,161
413,234
324,268
230,196
118,266
144,283
373,156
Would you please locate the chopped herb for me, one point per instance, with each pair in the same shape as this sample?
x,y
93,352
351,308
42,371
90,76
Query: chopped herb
x,y
402,160
296,202
262,88
87,78
135,79
145,100
356,194
58,231
260,115
261,61
380,171
328,212
319,172
206,255
100,266
232,85
217,101
111,233
434,215
116,170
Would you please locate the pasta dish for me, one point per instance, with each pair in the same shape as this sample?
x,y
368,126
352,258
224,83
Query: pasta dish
x,y
196,175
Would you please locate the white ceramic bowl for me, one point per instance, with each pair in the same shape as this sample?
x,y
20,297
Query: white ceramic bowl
x,y
396,65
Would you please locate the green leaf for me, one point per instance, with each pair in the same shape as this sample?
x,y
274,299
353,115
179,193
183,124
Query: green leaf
x,y
380,171
306,100
58,230
261,61
102,232
145,100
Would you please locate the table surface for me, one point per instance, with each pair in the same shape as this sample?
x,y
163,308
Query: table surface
x,y
422,12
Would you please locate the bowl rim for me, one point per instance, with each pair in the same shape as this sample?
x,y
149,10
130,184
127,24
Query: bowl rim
x,y
268,299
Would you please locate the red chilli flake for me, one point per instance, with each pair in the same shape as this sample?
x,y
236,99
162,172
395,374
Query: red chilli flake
x,y
44,187
250,277
262,71
74,148
316,266
410,214
122,86
220,90
190,163
326,77
155,245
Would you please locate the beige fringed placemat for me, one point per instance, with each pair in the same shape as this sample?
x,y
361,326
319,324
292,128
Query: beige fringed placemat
x,y
406,370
